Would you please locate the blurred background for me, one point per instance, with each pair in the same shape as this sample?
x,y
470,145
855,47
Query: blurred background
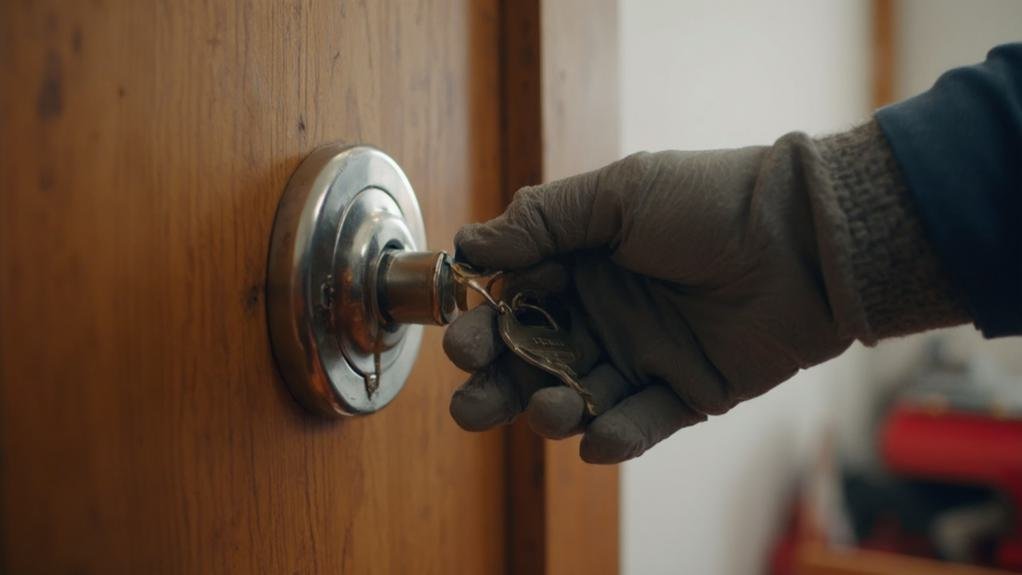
x,y
839,454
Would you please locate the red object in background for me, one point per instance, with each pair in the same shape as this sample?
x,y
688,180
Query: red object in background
x,y
965,447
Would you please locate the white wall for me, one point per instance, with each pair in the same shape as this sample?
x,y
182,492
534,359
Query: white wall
x,y
703,73
934,35
712,73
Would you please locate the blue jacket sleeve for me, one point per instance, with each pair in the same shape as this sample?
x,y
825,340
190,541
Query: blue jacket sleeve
x,y
959,147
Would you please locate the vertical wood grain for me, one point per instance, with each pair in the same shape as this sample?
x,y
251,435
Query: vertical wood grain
x,y
560,117
522,93
143,426
883,52
522,153
580,133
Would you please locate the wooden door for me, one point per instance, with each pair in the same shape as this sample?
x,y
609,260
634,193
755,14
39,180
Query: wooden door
x,y
145,147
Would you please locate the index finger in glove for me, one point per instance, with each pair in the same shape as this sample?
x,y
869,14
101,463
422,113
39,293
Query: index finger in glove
x,y
575,213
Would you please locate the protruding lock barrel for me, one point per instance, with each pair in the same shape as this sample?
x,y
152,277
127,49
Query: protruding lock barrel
x,y
417,288
351,282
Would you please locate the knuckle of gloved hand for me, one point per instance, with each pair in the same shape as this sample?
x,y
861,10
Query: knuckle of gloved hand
x,y
526,219
716,398
463,239
547,277
526,207
630,172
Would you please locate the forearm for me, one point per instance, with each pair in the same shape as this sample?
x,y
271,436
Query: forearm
x,y
959,147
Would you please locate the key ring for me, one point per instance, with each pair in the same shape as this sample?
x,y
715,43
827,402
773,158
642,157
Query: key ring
x,y
469,277
518,302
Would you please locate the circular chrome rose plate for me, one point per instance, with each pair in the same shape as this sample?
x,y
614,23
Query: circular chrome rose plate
x,y
342,208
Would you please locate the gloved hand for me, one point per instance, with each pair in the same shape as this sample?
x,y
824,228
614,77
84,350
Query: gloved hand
x,y
697,279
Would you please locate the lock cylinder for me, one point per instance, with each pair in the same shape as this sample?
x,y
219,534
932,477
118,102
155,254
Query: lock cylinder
x,y
351,283
417,288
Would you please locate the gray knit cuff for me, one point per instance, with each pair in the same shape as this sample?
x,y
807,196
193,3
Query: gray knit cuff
x,y
901,284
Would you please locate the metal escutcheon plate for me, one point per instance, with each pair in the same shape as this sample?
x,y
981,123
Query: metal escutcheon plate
x,y
342,208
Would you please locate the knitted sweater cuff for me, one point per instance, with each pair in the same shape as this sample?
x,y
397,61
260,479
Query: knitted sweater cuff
x,y
901,285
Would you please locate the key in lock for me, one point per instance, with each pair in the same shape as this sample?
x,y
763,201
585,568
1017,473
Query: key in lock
x,y
351,284
409,288
528,328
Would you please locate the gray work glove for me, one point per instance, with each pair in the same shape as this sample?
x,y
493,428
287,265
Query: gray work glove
x,y
694,281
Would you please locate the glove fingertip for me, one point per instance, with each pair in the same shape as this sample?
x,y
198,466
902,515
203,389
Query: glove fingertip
x,y
611,438
555,412
465,242
472,341
480,404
